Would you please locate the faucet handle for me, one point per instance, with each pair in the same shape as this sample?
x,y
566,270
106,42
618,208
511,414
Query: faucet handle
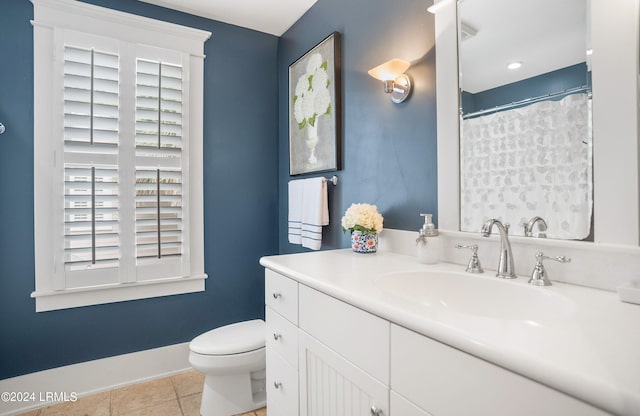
x,y
474,262
539,274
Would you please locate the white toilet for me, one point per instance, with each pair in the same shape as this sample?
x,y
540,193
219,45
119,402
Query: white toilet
x,y
232,359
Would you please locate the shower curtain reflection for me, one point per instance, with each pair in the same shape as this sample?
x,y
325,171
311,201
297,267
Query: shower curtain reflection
x,y
528,161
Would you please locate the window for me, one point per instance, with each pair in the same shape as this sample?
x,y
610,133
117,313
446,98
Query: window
x,y
118,156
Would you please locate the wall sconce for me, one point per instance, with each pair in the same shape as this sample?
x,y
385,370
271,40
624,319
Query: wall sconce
x,y
396,82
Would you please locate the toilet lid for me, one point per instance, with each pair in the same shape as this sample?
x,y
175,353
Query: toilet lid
x,y
231,339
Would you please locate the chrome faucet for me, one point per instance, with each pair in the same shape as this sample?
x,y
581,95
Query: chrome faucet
x,y
542,227
505,264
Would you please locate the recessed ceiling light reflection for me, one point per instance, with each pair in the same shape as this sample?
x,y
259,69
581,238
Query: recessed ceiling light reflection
x,y
514,65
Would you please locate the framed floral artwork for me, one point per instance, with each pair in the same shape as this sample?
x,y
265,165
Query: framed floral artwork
x,y
315,109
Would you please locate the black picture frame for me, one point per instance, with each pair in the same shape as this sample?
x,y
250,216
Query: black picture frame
x,y
315,109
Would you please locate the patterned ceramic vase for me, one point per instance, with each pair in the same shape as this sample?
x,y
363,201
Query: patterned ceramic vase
x,y
364,243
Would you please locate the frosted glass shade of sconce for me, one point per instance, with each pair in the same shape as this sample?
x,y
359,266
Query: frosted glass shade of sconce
x,y
395,81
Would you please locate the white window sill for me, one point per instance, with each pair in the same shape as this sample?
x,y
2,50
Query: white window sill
x,y
71,298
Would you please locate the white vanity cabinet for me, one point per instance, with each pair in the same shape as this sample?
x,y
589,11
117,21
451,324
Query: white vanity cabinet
x,y
326,357
445,381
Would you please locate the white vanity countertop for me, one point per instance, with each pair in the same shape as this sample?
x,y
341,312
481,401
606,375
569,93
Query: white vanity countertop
x,y
591,352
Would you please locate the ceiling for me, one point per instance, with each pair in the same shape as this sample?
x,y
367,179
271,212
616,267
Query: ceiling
x,y
544,35
269,16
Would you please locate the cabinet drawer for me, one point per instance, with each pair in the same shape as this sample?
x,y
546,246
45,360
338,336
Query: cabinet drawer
x,y
357,335
282,337
282,386
445,381
281,294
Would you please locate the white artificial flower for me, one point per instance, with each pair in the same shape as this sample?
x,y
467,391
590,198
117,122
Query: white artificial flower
x,y
315,61
363,215
349,220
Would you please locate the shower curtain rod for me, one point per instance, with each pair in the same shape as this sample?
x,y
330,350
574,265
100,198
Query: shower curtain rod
x,y
527,101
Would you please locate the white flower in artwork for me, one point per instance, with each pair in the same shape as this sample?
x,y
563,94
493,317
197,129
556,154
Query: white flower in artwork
x,y
312,98
315,62
320,80
308,110
297,111
301,86
322,101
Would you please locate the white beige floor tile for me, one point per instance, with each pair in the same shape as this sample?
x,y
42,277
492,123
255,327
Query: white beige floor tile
x,y
179,395
35,412
258,412
188,383
191,404
140,396
93,405
170,408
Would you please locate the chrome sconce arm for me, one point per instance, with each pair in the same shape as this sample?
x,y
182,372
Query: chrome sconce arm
x,y
395,81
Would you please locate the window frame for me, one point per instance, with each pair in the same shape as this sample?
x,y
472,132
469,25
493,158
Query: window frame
x,y
52,20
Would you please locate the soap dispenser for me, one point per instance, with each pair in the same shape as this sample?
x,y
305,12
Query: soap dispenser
x,y
428,243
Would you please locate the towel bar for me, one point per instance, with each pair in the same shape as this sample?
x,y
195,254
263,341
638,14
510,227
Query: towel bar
x,y
333,180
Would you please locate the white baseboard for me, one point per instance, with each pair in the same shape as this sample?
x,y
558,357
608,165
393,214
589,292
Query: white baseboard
x,y
93,377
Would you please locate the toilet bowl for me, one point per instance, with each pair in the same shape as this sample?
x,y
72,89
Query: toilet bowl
x,y
232,359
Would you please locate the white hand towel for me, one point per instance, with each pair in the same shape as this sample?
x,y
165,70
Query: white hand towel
x,y
315,212
296,189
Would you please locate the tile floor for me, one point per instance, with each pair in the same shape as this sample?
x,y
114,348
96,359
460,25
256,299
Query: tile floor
x,y
178,395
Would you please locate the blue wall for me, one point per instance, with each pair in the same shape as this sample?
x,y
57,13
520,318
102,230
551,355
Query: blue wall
x,y
389,150
240,168
389,159
552,82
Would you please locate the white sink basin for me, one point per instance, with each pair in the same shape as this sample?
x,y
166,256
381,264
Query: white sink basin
x,y
478,295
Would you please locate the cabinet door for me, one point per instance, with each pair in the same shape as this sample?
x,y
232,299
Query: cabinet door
x,y
332,386
402,407
360,337
446,381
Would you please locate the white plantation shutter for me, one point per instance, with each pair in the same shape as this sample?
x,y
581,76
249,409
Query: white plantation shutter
x,y
159,179
118,106
91,215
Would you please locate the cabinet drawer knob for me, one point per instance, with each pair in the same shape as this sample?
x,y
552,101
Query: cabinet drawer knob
x,y
277,295
375,411
277,384
276,336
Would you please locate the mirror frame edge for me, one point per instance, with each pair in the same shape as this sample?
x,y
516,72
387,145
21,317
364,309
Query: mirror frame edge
x,y
617,206
447,105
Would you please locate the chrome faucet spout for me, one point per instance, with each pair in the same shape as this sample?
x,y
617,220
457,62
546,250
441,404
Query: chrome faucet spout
x,y
506,270
542,227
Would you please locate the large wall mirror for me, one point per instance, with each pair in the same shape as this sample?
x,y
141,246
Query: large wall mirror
x,y
526,148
